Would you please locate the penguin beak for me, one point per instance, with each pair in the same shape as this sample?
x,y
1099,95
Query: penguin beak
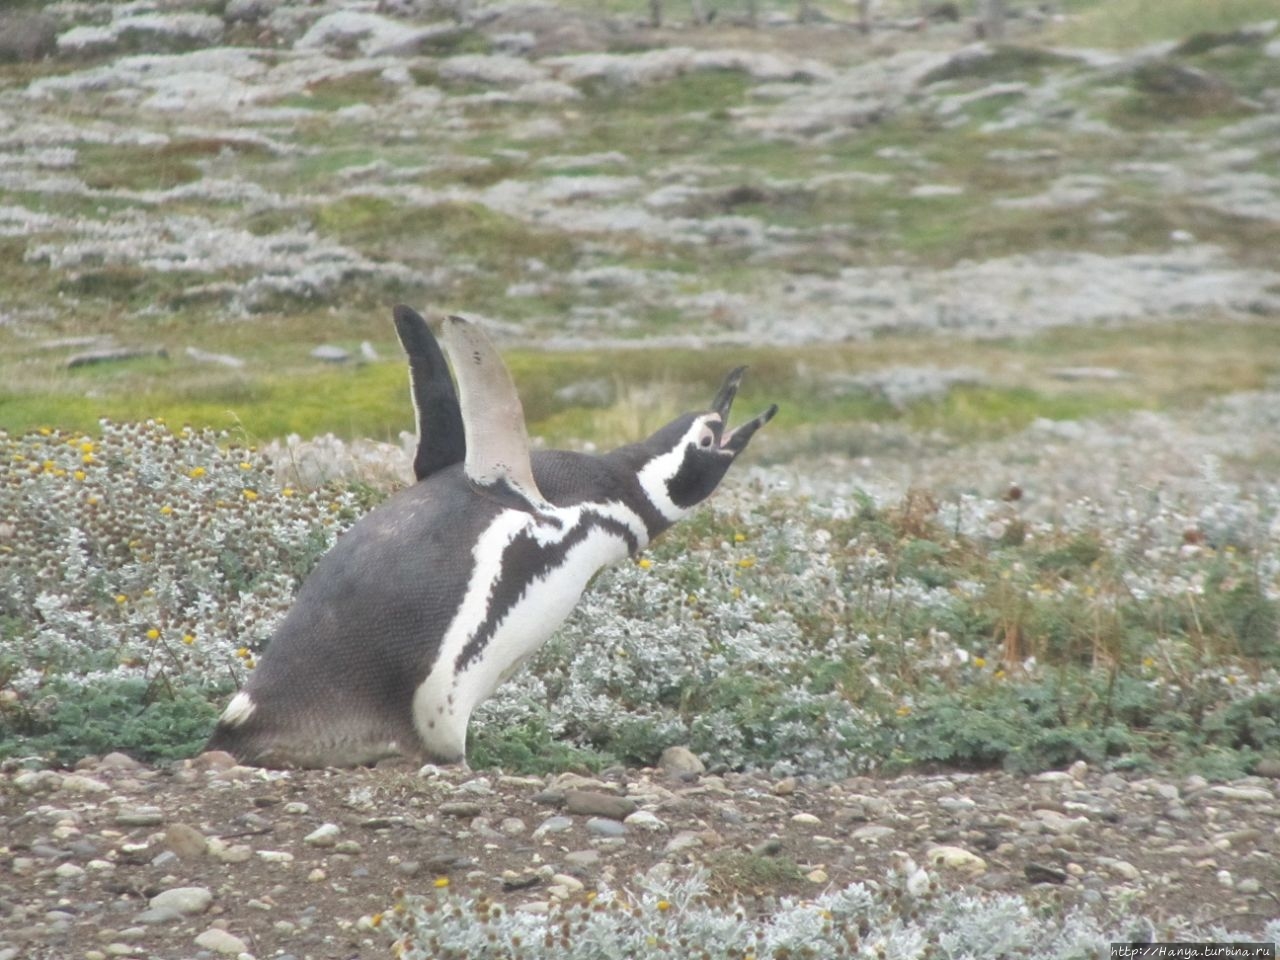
x,y
736,440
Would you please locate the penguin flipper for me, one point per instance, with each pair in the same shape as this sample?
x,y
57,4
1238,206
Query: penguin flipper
x,y
497,443
441,438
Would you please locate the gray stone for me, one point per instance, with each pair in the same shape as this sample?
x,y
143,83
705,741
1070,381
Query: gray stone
x,y
871,833
682,842
183,900
553,825
956,858
591,803
330,353
140,816
1222,792
681,763
582,858
605,827
325,835
220,941
647,821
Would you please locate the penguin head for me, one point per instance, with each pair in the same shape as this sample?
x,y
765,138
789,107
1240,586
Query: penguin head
x,y
686,460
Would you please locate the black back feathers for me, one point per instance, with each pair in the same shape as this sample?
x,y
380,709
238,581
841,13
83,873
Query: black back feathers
x,y
442,441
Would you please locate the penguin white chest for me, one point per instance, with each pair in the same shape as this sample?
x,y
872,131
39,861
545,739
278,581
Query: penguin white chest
x,y
528,573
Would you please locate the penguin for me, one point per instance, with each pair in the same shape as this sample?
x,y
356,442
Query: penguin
x,y
436,596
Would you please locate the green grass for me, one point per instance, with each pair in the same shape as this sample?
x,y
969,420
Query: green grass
x,y
1131,23
283,391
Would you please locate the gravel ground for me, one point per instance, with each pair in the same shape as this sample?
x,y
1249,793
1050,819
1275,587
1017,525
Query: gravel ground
x,y
116,859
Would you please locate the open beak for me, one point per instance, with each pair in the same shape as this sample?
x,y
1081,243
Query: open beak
x,y
736,440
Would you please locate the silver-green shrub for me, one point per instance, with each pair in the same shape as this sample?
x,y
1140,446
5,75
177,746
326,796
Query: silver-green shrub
x,y
890,920
144,554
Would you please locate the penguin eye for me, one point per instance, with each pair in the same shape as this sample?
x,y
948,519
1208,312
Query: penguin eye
x,y
707,438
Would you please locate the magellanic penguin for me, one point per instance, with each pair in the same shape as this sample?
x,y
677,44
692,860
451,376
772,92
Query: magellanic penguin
x,y
437,595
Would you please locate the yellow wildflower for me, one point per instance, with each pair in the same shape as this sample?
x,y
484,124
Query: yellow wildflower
x,y
195,473
979,662
644,563
121,598
739,538
441,882
251,495
80,475
166,510
188,639
153,634
664,905
746,563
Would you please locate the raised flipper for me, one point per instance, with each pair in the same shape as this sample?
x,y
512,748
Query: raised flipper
x,y
441,438
497,444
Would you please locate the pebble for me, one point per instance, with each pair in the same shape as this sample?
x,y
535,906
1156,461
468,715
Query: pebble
x,y
683,841
77,783
140,817
185,841
582,858
647,821
183,900
871,833
591,803
604,827
220,941
785,787
461,808
275,856
1223,792
1043,873
552,825
325,835
806,820
68,871
681,763
512,826
817,876
956,858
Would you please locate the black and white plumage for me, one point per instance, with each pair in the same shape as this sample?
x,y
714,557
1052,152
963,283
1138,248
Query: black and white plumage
x,y
436,596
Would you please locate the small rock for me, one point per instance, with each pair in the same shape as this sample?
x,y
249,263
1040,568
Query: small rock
x,y
183,900
68,871
329,354
519,881
1249,885
644,820
512,826
220,941
956,858
461,808
552,825
573,884
140,817
78,783
785,787
1124,869
296,808
1078,770
871,833
325,835
1223,792
275,856
817,876
681,763
591,803
956,804
582,858
605,827
1225,879
806,820
1043,873
683,841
